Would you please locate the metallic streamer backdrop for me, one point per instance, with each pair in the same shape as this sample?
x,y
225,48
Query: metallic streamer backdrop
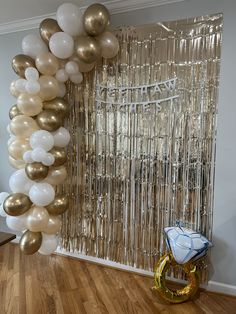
x,y
133,171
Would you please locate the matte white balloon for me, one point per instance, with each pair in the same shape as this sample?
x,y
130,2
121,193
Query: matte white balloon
x,y
72,67
33,45
76,78
38,154
41,194
61,45
62,75
61,137
19,182
17,223
32,87
70,19
62,90
49,244
2,211
42,139
20,85
31,74
27,157
48,160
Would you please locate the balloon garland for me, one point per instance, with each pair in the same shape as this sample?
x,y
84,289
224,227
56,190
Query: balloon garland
x,y
66,48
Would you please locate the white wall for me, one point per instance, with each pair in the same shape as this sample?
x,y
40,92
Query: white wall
x,y
224,251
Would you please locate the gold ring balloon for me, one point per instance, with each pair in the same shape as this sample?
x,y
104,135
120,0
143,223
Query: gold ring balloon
x,y
180,295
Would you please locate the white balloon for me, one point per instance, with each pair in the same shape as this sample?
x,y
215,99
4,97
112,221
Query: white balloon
x,y
32,87
21,85
61,45
2,211
41,194
17,223
72,67
31,74
49,244
38,154
19,182
62,90
70,19
27,157
33,45
48,160
61,137
62,76
76,78
3,196
42,139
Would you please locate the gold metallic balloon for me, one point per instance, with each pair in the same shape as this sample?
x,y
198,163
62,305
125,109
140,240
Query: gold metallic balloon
x,y
59,105
18,147
14,112
23,126
30,242
180,295
60,156
96,18
30,105
36,171
17,204
49,120
85,67
59,205
56,175
47,63
49,87
20,63
87,49
53,226
15,163
47,28
109,45
14,92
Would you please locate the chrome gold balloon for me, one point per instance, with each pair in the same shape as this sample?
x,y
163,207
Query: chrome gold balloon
x,y
30,242
36,171
60,156
87,49
96,18
47,28
59,105
59,205
20,63
180,295
17,204
14,111
49,120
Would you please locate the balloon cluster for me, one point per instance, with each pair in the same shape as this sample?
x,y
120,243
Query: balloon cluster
x,y
66,48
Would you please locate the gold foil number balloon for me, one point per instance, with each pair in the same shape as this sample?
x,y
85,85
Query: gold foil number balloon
x,y
30,242
20,63
47,28
59,105
96,19
36,171
87,49
49,120
17,204
59,205
59,155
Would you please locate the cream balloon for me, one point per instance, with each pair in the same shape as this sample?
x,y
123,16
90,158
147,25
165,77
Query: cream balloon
x,y
13,89
37,219
49,244
30,105
56,175
42,139
62,90
76,78
17,223
33,45
53,226
47,63
18,147
109,45
61,45
41,194
49,87
19,182
23,126
15,163
61,137
62,76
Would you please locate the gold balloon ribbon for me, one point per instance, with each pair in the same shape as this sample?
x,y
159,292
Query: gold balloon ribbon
x,y
179,295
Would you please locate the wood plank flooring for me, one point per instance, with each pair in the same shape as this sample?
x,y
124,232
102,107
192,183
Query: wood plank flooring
x,y
61,285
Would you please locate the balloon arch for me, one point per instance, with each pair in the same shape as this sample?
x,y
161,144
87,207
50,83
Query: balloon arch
x,y
66,48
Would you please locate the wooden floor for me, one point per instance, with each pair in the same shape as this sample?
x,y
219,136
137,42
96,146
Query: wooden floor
x,y
38,284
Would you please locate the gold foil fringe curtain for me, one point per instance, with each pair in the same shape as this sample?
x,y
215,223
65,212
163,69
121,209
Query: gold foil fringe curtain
x,y
138,164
